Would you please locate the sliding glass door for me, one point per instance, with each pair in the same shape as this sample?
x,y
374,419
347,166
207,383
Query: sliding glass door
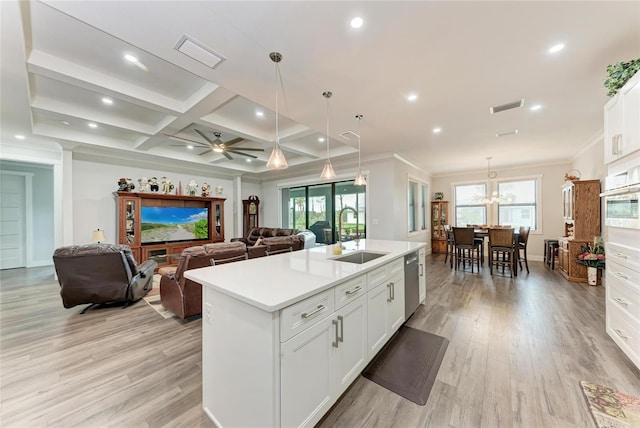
x,y
317,207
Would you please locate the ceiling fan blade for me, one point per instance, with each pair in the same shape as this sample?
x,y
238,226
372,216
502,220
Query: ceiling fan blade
x,y
248,149
242,154
203,135
205,152
234,141
228,156
174,137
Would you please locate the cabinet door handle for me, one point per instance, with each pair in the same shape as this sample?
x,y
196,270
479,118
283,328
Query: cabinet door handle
x,y
393,292
621,275
313,312
620,333
341,337
421,269
354,291
335,343
390,298
621,301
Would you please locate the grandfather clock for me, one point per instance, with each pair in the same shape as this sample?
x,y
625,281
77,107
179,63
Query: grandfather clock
x,y
250,213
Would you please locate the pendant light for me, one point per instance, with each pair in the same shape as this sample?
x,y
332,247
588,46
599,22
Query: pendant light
x,y
360,180
277,159
328,172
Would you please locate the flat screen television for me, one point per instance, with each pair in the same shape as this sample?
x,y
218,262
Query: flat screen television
x,y
174,224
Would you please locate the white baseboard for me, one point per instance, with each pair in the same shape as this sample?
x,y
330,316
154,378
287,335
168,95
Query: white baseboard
x,y
38,263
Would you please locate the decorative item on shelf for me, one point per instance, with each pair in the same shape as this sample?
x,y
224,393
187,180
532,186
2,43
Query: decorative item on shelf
x,y
206,189
360,179
572,175
125,185
219,190
276,160
98,236
179,190
327,172
593,257
153,184
143,184
167,186
438,196
619,73
192,188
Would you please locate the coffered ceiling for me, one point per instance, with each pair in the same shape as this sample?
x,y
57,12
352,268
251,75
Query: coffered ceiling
x,y
61,58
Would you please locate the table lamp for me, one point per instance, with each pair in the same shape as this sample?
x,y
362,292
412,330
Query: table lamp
x,y
98,236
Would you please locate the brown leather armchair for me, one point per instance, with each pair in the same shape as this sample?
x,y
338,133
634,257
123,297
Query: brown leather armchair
x,y
182,296
264,232
101,273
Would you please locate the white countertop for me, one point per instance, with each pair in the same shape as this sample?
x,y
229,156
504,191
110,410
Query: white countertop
x,y
275,282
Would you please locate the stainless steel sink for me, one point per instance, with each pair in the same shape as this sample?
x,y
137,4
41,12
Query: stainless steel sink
x,y
359,257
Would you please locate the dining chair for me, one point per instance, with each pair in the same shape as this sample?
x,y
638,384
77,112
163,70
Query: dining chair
x,y
466,248
501,243
523,238
449,253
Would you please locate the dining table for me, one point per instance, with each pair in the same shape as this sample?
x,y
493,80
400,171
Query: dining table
x,y
484,234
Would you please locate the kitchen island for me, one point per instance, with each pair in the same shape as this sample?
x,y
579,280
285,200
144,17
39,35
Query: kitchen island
x,y
285,335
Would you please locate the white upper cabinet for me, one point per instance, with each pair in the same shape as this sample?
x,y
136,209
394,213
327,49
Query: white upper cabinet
x,y
622,121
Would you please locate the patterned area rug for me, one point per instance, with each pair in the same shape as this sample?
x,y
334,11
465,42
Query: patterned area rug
x,y
153,299
611,408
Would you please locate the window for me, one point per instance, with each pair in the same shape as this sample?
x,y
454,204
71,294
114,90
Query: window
x,y
423,203
469,209
518,203
317,207
412,206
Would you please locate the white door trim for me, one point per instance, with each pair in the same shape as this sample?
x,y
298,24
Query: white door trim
x,y
28,211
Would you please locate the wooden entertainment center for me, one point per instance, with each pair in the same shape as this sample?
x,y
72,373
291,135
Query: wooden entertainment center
x,y
129,206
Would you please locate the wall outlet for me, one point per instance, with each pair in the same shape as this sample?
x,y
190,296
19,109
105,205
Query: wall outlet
x,y
207,313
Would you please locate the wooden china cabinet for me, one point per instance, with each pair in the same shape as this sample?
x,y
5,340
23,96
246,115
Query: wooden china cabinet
x,y
581,213
129,224
439,218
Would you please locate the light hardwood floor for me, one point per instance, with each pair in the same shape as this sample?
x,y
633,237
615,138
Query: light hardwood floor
x,y
518,349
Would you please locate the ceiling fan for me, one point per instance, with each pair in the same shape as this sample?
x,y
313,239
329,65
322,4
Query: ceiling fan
x,y
217,145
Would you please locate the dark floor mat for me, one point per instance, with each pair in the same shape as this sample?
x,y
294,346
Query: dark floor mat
x,y
408,364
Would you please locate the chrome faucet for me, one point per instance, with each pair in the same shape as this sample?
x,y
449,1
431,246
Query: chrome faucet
x,y
340,225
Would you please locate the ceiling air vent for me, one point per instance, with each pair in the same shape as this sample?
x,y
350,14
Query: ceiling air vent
x,y
508,106
201,53
505,133
348,134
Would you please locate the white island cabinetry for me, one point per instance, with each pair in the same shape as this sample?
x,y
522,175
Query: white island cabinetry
x,y
281,352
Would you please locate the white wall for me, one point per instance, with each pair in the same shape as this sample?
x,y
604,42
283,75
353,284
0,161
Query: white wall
x,y
551,195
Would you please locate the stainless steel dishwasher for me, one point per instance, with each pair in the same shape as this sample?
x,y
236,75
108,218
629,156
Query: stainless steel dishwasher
x,y
411,284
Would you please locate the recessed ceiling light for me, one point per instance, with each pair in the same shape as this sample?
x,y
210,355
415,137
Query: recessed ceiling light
x,y
248,160
190,147
20,137
437,130
412,97
356,22
65,123
134,60
321,140
556,48
259,113
107,101
536,107
92,125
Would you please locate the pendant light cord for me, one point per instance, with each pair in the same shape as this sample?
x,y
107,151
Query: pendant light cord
x,y
278,79
329,95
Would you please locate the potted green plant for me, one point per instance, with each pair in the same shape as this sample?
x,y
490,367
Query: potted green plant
x,y
593,257
619,73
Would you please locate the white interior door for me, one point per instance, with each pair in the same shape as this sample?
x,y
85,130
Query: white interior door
x,y
12,221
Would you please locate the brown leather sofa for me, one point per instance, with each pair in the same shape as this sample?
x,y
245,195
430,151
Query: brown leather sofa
x,y
101,273
182,296
274,240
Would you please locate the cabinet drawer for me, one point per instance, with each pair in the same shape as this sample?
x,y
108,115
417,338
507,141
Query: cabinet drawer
x,y
376,277
623,273
627,298
625,332
350,290
304,314
395,267
628,257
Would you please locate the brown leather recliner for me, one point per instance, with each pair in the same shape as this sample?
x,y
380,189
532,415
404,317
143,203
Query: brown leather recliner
x,y
182,296
101,273
264,232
